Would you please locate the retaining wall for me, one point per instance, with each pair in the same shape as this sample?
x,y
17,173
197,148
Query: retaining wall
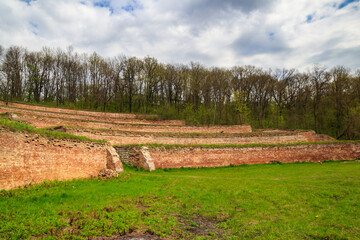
x,y
170,129
138,157
44,121
122,138
29,158
176,157
70,111
95,116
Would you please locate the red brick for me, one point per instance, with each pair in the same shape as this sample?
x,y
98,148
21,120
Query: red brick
x,y
216,157
23,163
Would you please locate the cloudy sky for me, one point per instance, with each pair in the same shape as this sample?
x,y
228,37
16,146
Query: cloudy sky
x,y
264,33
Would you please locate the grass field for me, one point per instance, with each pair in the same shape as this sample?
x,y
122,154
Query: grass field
x,y
22,127
286,201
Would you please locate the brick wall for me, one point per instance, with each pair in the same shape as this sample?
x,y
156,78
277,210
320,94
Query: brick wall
x,y
137,118
176,157
136,156
126,155
66,114
41,121
311,136
28,158
171,129
69,111
121,138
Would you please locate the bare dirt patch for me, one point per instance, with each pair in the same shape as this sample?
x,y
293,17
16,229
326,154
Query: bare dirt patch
x,y
148,235
199,226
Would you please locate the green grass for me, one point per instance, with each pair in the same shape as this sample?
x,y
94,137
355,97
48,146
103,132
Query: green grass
x,y
22,127
168,146
287,201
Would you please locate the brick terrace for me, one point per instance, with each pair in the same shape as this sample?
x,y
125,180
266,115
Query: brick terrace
x,y
29,158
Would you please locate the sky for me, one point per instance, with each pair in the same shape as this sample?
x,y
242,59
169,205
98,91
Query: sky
x,y
264,33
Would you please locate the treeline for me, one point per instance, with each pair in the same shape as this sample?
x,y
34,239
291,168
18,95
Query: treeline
x,y
325,100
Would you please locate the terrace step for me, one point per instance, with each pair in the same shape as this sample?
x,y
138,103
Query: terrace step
x,y
29,158
46,121
168,156
128,137
77,115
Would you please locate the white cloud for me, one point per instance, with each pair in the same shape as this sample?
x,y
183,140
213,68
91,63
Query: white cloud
x,y
216,33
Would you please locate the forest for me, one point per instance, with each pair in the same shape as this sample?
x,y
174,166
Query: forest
x,y
324,100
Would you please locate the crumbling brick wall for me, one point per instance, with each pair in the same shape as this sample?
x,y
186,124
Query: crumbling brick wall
x,y
311,136
136,156
176,157
29,158
66,115
41,120
70,111
122,138
86,115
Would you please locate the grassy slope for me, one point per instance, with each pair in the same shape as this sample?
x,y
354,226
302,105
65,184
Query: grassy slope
x,y
150,117
235,145
288,201
18,126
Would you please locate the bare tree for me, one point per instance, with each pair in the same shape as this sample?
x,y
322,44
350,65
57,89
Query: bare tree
x,y
197,74
3,78
319,78
13,68
119,84
220,88
131,69
281,89
151,81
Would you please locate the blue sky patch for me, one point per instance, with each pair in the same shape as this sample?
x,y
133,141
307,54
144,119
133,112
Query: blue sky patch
x,y
27,1
271,36
34,25
131,6
34,28
104,4
346,2
128,8
309,18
